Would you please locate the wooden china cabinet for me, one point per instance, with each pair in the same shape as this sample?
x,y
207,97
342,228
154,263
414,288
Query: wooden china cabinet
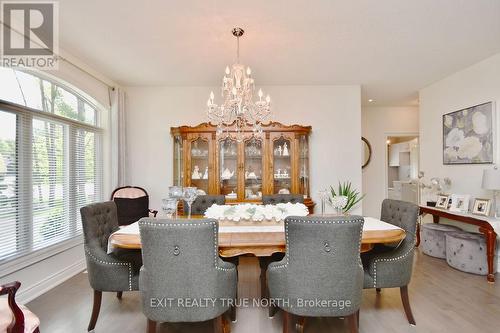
x,y
275,161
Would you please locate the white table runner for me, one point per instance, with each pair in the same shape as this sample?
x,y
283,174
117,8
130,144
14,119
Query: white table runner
x,y
372,223
131,229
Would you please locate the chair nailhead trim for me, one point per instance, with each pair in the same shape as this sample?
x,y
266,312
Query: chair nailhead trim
x,y
317,222
412,248
129,266
216,246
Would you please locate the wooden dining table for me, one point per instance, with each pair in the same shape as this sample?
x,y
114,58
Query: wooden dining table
x,y
264,238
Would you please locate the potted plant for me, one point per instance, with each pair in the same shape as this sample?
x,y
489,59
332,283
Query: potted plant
x,y
344,198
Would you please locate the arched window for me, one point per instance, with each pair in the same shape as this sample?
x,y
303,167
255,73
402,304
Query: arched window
x,y
50,162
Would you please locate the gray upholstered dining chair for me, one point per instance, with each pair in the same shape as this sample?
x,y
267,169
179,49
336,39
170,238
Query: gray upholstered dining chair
x,y
202,202
115,272
181,261
322,262
264,262
274,199
392,266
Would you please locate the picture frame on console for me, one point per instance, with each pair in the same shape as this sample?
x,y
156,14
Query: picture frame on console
x,y
460,203
481,207
442,201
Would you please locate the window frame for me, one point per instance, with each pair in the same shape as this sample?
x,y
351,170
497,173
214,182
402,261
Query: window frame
x,y
69,88
24,122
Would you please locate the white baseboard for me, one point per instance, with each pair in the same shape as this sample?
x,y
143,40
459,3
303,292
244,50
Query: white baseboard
x,y
29,293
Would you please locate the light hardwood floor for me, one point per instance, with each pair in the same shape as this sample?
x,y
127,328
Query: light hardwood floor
x,y
443,300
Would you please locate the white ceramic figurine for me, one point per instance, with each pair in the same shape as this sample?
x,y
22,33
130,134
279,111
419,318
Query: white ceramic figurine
x,y
196,173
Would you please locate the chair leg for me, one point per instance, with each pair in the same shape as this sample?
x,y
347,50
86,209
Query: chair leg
x,y
286,321
232,310
232,314
406,305
272,310
353,323
301,322
226,326
95,309
151,328
219,326
263,263
357,317
119,294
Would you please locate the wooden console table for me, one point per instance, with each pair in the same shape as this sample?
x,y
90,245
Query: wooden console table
x,y
481,222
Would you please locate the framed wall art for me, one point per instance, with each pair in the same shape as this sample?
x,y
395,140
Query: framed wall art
x,y
468,135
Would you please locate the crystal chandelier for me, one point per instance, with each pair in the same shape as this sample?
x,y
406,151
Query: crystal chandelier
x,y
238,108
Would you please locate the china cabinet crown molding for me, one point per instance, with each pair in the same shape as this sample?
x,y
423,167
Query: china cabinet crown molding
x,y
272,126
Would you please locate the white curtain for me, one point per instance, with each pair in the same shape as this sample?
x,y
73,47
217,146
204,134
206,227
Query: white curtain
x,y
118,138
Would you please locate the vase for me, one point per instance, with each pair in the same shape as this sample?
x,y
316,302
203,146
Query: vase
x,y
339,211
323,204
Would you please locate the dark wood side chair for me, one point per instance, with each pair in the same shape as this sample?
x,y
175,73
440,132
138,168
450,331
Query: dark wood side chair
x,y
132,204
391,267
114,272
321,274
16,318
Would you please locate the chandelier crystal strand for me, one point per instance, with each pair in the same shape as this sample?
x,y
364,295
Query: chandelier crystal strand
x,y
238,108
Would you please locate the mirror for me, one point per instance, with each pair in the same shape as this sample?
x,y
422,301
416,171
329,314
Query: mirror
x,y
366,152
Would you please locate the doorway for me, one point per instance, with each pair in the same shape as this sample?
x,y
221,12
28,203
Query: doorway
x,y
402,167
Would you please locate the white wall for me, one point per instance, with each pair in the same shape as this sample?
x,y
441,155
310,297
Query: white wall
x,y
334,112
474,85
377,123
477,84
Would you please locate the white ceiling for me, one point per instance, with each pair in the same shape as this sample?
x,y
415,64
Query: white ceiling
x,y
391,47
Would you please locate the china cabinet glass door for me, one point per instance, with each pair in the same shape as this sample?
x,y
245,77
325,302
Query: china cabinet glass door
x,y
282,166
228,168
253,166
199,164
304,166
178,161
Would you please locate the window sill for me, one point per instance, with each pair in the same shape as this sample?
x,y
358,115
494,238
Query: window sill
x,y
30,259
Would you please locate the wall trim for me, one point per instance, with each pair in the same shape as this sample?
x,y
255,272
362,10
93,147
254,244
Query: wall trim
x,y
35,257
26,295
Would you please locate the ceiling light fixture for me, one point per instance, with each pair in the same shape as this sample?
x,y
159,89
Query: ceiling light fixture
x,y
238,108
370,100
